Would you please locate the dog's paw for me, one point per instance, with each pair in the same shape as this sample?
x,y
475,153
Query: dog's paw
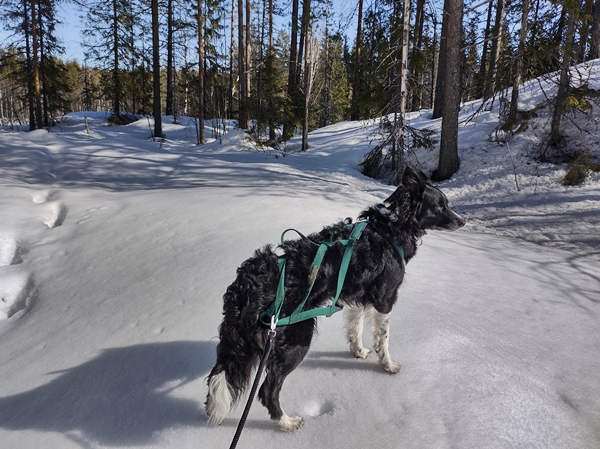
x,y
392,368
361,353
290,423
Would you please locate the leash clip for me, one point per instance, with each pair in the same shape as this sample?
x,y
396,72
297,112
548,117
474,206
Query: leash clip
x,y
273,325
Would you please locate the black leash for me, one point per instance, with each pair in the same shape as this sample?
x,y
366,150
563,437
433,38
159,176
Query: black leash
x,y
261,367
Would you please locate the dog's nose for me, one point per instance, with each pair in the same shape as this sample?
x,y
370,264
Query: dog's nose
x,y
461,221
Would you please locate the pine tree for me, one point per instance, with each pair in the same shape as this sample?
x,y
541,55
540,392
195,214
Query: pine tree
x,y
107,43
497,38
357,60
307,84
156,71
200,31
448,161
518,75
564,82
595,32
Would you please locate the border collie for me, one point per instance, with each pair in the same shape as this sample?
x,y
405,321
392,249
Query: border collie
x,y
374,275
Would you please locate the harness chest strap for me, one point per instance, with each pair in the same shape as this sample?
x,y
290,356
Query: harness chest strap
x,y
270,316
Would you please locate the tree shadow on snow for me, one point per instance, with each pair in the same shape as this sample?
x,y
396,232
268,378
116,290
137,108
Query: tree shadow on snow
x,y
122,397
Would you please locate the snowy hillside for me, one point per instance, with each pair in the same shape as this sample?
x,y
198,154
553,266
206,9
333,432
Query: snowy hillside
x,y
115,252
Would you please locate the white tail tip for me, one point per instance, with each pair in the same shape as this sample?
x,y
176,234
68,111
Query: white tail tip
x,y
218,402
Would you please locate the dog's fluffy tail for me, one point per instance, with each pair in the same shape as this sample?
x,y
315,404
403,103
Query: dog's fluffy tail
x,y
219,400
231,375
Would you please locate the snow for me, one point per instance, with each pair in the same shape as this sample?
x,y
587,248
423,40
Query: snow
x,y
115,252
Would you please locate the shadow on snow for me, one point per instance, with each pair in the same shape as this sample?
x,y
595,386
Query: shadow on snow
x,y
121,397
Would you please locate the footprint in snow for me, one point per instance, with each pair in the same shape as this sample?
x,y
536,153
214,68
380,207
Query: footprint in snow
x,y
316,408
55,214
16,291
42,196
11,250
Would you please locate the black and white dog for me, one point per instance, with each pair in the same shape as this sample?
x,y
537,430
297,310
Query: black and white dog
x,y
374,275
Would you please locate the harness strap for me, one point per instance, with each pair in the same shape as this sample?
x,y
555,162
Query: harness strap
x,y
272,313
398,248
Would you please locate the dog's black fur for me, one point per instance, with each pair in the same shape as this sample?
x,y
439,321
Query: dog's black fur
x,y
374,275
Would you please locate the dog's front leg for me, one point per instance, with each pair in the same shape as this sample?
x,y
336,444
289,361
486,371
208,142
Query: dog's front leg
x,y
381,331
355,318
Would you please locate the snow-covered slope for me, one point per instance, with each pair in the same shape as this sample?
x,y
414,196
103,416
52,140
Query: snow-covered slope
x,y
115,252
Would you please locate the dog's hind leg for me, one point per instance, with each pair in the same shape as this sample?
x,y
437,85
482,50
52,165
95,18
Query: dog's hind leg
x,y
355,318
286,355
381,336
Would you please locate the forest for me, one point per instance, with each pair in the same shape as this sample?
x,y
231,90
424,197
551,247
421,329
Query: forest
x,y
281,68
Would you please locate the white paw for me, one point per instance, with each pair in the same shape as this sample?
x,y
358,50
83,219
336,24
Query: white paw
x,y
392,367
361,353
290,423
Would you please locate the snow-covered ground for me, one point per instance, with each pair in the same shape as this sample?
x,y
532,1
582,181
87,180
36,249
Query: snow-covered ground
x,y
115,252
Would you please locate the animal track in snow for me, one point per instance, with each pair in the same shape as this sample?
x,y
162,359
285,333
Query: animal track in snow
x,y
315,408
11,250
15,290
55,214
42,197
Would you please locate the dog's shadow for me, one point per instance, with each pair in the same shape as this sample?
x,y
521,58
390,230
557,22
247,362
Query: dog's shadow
x,y
342,360
122,397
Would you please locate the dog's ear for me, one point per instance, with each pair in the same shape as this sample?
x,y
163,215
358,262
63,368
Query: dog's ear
x,y
409,194
415,180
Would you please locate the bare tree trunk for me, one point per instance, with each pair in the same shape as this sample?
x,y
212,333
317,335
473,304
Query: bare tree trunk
x,y
247,61
514,99
490,84
242,121
417,95
403,91
449,162
438,101
116,75
301,43
585,30
564,83
293,67
355,114
484,54
200,17
43,68
231,52
307,74
419,22
169,105
270,57
260,112
434,66
400,67
327,73
30,91
156,71
35,70
595,33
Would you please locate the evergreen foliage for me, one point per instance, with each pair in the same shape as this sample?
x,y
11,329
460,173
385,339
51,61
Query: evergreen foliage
x,y
37,86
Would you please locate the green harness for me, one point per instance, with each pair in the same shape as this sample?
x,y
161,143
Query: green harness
x,y
270,317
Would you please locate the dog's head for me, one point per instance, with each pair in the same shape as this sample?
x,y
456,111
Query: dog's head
x,y
418,201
